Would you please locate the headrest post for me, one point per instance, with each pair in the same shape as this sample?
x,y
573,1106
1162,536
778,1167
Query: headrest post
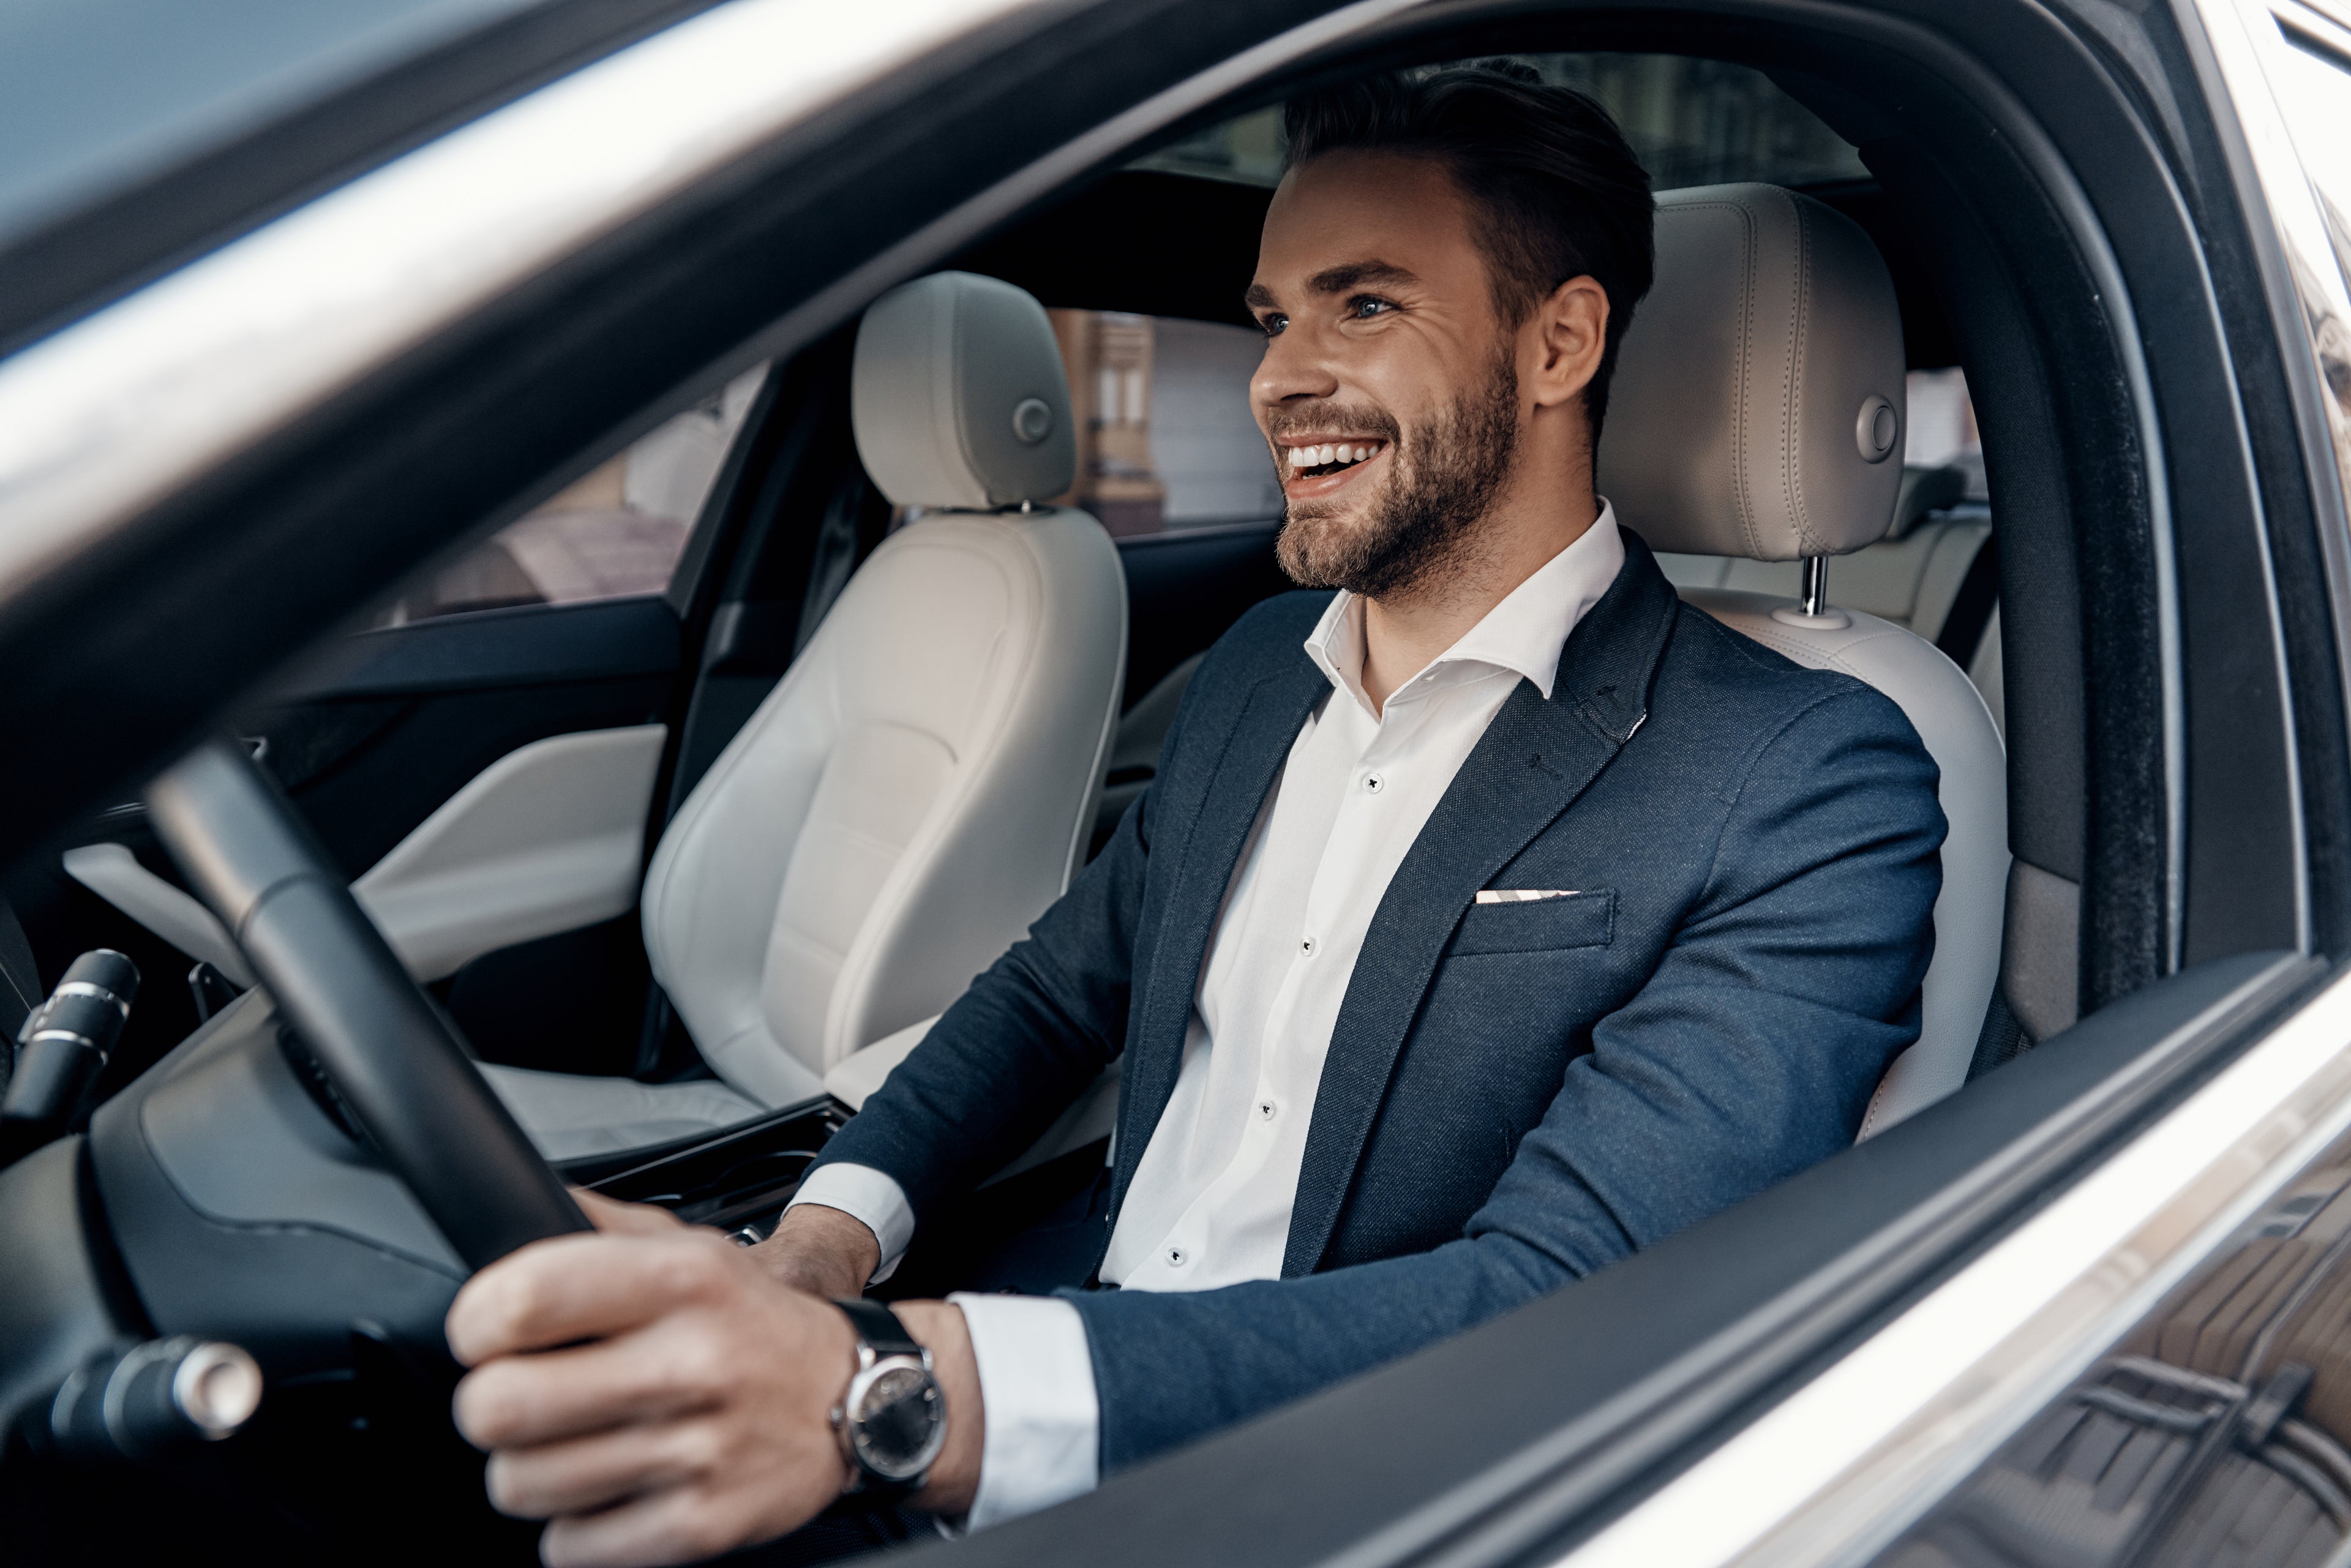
x,y
1816,585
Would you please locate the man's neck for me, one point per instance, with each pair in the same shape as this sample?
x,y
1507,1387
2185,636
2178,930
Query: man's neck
x,y
1404,631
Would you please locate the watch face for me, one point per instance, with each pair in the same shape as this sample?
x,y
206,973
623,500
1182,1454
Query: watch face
x,y
897,1421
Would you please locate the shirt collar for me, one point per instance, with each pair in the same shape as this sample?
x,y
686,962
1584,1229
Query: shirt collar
x,y
1522,634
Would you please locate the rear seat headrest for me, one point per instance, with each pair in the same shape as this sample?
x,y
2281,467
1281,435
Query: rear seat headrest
x,y
1757,408
958,395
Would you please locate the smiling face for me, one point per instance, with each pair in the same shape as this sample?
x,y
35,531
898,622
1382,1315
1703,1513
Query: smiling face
x,y
1390,384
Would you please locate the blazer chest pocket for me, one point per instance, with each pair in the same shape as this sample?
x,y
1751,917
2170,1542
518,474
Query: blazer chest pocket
x,y
1585,919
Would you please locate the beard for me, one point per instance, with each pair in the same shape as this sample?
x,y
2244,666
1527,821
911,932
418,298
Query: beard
x,y
1443,482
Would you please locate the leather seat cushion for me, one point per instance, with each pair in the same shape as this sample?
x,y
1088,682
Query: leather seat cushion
x,y
568,1115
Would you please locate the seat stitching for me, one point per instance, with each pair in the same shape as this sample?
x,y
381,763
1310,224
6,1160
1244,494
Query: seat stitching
x,y
1877,1100
889,908
1741,481
1749,524
1791,457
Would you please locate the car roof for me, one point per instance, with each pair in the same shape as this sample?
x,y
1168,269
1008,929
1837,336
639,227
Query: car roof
x,y
97,95
142,133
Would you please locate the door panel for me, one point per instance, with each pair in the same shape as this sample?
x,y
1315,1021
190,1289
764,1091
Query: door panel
x,y
371,746
547,838
368,744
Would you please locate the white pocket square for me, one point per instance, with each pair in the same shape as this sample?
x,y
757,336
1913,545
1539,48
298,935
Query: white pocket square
x,y
1522,894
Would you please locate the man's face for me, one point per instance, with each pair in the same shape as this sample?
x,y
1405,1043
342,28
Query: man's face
x,y
1389,388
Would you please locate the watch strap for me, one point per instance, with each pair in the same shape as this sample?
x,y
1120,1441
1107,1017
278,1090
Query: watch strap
x,y
879,1327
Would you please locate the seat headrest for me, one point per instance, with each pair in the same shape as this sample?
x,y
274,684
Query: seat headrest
x,y
1757,408
957,396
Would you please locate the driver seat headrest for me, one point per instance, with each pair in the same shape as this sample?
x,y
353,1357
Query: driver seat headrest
x,y
1756,409
957,396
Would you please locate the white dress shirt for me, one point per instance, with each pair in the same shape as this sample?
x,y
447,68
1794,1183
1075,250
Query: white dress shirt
x,y
1210,1201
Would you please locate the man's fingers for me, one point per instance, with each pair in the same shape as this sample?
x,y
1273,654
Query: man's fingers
x,y
573,1288
586,1474
617,1218
657,1395
522,1401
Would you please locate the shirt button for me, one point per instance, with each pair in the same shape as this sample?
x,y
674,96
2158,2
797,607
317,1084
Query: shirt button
x,y
1175,1257
1373,783
1307,947
1265,1110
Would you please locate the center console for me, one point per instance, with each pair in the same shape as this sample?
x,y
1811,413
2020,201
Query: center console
x,y
738,1180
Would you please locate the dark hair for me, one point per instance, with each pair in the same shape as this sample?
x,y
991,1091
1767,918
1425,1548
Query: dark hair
x,y
1554,188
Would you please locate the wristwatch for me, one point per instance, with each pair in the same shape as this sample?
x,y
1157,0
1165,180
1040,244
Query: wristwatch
x,y
892,1422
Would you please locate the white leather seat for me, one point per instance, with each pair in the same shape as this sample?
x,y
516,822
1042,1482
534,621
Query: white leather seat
x,y
919,786
1756,413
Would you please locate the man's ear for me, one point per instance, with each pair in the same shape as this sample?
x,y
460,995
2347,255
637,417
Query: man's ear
x,y
1569,332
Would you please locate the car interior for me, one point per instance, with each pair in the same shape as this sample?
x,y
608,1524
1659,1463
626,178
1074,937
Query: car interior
x,y
488,775
693,795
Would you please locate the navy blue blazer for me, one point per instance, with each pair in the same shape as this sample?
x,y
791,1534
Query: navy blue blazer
x,y
1515,1094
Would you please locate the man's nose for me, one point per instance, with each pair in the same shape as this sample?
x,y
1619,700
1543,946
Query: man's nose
x,y
1292,368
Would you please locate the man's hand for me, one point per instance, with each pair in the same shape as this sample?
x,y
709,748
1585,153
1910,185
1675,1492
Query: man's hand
x,y
821,1251
659,1397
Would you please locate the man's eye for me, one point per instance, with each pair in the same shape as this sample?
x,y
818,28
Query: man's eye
x,y
1363,308
1273,323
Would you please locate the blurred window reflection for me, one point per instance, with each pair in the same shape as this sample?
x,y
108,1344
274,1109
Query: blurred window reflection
x,y
1166,438
2310,76
614,533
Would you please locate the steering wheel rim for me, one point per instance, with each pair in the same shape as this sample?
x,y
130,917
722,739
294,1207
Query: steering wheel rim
x,y
390,1054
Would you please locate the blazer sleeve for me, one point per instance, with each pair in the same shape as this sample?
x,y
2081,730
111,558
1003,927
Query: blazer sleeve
x,y
1750,1053
1031,1035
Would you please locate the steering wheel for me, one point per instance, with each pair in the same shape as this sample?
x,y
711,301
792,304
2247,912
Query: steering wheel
x,y
388,1053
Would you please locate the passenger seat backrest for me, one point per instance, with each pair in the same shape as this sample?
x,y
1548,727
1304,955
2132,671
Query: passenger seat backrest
x,y
1757,412
918,786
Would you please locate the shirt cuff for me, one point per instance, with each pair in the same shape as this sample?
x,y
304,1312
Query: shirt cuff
x,y
870,1197
1043,1443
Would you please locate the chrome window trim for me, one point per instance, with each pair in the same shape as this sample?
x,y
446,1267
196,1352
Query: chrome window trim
x,y
2288,236
1837,1469
113,413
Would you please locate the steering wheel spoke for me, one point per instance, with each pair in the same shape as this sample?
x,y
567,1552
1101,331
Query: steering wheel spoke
x,y
391,1056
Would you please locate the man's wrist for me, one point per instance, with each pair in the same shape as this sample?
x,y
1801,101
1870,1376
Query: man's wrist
x,y
822,1250
953,1481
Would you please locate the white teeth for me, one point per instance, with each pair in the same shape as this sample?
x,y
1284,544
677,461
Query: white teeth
x,y
1336,451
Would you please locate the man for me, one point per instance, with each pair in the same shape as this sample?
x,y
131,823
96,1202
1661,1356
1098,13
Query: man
x,y
1485,922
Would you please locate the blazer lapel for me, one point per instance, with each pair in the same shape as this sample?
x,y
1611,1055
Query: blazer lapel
x,y
1208,850
1534,760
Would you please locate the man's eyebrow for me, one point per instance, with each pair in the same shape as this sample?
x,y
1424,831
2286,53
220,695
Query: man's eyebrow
x,y
1336,280
1355,274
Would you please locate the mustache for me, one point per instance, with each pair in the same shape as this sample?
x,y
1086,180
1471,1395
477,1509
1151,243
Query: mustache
x,y
1364,419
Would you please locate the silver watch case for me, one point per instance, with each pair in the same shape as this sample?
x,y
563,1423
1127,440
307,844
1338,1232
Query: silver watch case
x,y
887,1395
